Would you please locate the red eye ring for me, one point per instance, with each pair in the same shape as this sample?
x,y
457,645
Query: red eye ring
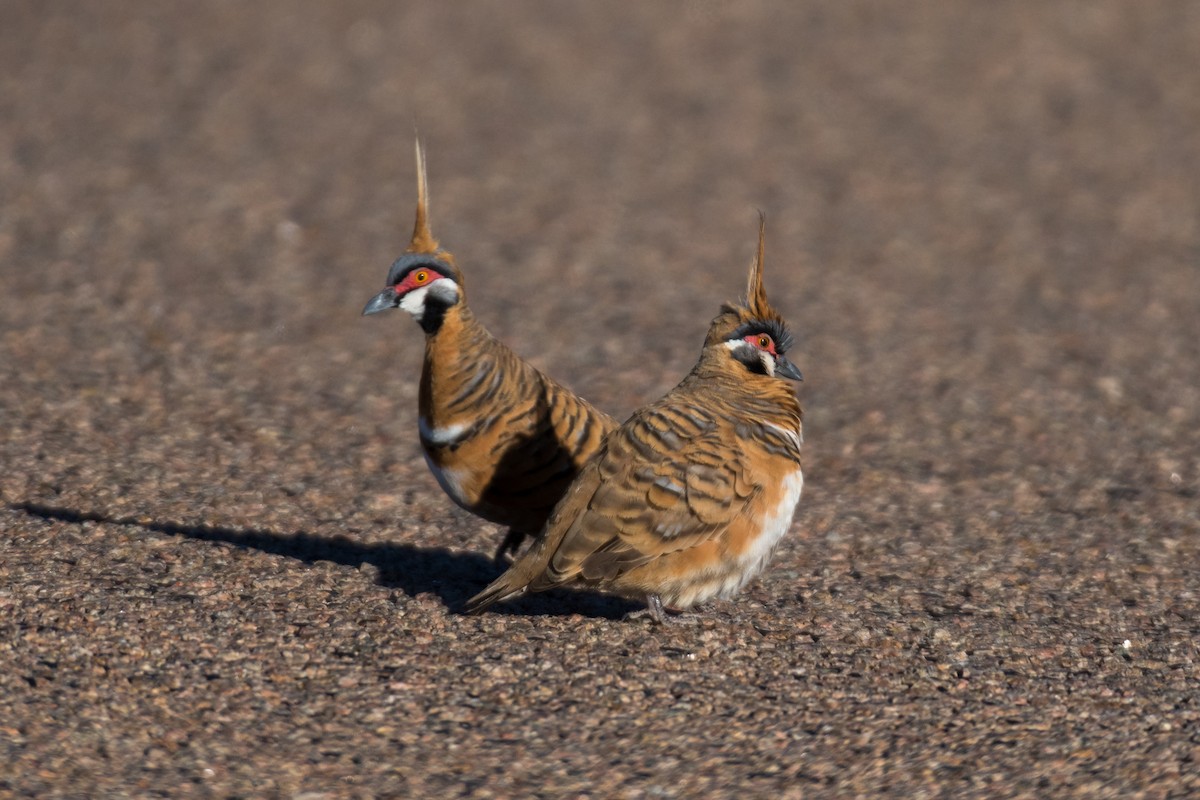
x,y
762,341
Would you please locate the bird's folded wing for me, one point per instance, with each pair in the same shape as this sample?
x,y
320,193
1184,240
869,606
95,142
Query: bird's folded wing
x,y
650,495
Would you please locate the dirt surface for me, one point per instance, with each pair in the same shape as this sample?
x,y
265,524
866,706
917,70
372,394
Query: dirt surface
x,y
226,572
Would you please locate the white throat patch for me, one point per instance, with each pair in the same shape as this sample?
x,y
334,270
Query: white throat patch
x,y
444,289
768,360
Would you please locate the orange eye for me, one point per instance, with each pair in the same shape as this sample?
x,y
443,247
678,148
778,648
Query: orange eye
x,y
421,276
764,342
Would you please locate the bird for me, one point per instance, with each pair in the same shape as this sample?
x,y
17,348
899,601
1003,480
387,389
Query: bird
x,y
503,440
686,501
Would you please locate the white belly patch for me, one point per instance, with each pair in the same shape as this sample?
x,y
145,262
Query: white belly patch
x,y
729,579
774,525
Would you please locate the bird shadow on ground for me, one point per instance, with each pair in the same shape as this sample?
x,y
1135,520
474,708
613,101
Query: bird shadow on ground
x,y
453,577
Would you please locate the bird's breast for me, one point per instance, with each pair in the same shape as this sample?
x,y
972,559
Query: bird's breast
x,y
454,482
774,521
447,450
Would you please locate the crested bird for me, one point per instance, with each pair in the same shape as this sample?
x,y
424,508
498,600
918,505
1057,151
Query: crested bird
x,y
503,440
686,501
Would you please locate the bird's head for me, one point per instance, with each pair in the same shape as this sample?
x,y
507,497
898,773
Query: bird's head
x,y
424,281
754,333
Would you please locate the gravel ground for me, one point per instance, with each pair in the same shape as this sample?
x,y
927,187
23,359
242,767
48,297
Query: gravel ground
x,y
226,572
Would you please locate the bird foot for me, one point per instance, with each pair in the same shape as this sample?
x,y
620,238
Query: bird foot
x,y
655,610
506,553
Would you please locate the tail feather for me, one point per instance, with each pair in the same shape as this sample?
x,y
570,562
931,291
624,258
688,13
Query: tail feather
x,y
530,572
502,588
514,581
527,574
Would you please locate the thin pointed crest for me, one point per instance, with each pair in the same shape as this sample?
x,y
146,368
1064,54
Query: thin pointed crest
x,y
755,310
756,295
422,238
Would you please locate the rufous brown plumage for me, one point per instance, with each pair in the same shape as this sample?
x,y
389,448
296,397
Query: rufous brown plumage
x,y
503,440
687,500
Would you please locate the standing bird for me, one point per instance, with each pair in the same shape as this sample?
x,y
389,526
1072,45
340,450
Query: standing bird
x,y
502,439
687,500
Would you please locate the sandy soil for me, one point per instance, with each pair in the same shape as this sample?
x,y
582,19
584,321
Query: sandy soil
x,y
226,572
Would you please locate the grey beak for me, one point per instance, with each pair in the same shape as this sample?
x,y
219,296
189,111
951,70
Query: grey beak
x,y
786,369
381,302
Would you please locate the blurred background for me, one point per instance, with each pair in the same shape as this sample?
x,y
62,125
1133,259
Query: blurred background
x,y
983,225
982,219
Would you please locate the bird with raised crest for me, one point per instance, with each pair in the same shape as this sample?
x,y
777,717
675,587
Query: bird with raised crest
x,y
503,440
687,500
